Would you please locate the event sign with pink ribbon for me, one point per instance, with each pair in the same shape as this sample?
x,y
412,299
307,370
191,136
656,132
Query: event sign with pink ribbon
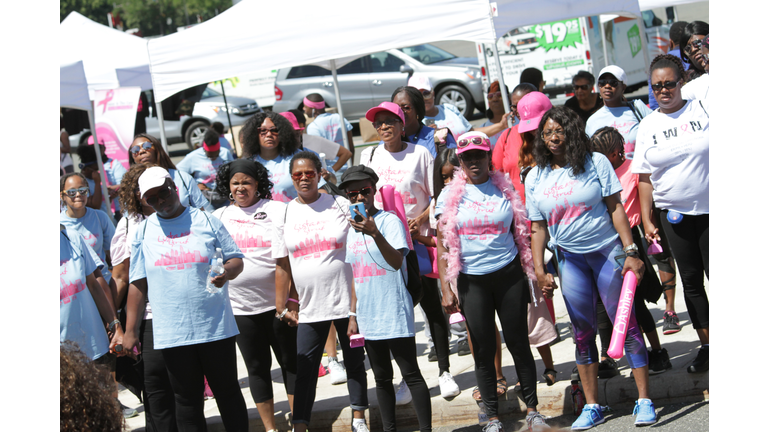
x,y
115,117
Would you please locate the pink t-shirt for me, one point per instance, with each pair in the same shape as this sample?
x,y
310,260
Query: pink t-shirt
x,y
629,195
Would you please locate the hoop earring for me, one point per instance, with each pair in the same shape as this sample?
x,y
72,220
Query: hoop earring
x,y
231,198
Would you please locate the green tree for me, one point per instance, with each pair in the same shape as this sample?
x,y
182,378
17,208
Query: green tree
x,y
95,10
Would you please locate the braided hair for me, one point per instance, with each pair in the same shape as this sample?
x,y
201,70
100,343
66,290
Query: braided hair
x,y
606,140
670,61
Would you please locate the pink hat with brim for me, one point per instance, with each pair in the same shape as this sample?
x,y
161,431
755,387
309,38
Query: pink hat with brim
x,y
292,118
485,144
385,106
531,109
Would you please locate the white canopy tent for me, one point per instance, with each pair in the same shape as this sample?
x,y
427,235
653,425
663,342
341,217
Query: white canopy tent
x,y
73,87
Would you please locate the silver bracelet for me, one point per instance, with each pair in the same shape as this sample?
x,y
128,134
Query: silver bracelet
x,y
281,315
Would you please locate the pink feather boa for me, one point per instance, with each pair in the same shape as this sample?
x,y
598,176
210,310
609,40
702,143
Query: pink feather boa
x,y
449,225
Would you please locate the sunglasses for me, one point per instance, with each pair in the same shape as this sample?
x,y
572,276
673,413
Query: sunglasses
x,y
473,156
669,85
494,95
364,192
551,133
427,94
264,131
163,194
83,165
146,145
613,82
389,122
73,192
467,141
581,87
693,46
298,175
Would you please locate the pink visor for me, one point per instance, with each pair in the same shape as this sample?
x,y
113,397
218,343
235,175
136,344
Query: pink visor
x,y
315,105
473,141
394,108
211,148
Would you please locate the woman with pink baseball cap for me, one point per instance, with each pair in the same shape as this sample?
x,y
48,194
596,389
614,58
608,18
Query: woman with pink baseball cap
x,y
483,237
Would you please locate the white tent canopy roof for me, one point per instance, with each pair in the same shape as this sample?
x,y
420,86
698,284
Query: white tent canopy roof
x,y
254,35
73,88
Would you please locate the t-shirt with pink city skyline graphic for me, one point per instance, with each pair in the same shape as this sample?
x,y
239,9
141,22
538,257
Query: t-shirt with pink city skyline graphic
x,y
258,232
315,235
484,218
174,256
384,306
279,170
203,169
577,217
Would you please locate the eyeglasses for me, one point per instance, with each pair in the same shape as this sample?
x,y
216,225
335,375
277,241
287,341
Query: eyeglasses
x,y
669,85
467,141
308,174
581,87
264,131
693,46
83,165
613,82
551,133
146,145
427,94
73,192
494,95
162,195
364,192
389,122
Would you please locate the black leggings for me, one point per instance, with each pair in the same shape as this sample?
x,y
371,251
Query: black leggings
x,y
689,241
159,404
310,341
404,352
217,361
505,292
257,334
438,322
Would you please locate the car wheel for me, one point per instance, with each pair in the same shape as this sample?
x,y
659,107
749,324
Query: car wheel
x,y
458,97
512,49
195,133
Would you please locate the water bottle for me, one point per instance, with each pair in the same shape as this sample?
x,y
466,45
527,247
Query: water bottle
x,y
216,269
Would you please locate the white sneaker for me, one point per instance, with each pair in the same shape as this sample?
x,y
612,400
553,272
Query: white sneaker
x,y
448,387
403,395
360,427
338,373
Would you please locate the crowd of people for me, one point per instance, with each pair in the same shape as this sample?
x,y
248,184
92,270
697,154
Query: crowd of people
x,y
280,251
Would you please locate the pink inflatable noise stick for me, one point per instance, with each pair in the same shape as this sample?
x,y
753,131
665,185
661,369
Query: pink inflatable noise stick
x,y
623,311
654,248
393,202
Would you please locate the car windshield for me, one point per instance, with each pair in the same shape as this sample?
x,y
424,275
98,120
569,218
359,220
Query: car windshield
x,y
427,54
209,93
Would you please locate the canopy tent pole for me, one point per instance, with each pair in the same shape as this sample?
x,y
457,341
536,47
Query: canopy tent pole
x,y
102,171
605,44
229,120
502,86
343,125
161,124
643,43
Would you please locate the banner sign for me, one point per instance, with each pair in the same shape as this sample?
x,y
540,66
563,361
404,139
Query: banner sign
x,y
115,117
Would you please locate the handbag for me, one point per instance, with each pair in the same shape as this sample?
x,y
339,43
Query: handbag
x,y
425,263
414,278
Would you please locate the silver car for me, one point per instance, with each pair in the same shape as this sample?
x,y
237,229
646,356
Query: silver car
x,y
371,79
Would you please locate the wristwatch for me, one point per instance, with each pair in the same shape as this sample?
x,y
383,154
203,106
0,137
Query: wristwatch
x,y
631,248
281,314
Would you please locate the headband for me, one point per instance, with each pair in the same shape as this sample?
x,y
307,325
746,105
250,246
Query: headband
x,y
315,105
245,166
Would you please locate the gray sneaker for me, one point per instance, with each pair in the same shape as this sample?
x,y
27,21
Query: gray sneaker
x,y
494,426
128,412
536,422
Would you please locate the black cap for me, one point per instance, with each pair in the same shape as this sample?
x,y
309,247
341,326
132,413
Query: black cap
x,y
358,172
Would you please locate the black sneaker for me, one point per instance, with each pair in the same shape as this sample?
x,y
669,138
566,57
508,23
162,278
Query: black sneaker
x,y
463,348
608,368
658,361
671,323
432,356
701,362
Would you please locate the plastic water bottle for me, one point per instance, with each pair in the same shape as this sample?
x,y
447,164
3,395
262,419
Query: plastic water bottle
x,y
217,268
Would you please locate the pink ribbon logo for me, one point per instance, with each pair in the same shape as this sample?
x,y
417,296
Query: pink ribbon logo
x,y
110,95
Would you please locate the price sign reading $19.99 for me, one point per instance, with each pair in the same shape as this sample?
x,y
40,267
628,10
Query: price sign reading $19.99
x,y
558,34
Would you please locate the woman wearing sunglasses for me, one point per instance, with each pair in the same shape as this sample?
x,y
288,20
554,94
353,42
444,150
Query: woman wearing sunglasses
x,y
315,235
617,112
269,139
255,222
411,102
573,200
147,150
497,118
691,50
158,394
192,321
441,116
673,164
584,102
94,225
482,230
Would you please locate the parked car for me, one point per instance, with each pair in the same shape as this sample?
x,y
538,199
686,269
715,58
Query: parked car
x,y
371,79
190,129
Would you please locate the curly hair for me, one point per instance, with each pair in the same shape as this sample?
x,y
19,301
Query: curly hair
x,y
127,192
85,394
663,61
163,160
606,140
263,187
415,97
306,155
576,140
65,177
287,142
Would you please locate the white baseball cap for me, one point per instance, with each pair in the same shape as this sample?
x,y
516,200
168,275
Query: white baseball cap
x,y
420,82
615,71
151,178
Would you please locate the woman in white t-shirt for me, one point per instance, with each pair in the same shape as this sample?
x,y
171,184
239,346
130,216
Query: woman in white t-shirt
x,y
315,235
673,164
255,222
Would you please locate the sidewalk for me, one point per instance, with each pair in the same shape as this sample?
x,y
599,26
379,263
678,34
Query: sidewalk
x,y
331,411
